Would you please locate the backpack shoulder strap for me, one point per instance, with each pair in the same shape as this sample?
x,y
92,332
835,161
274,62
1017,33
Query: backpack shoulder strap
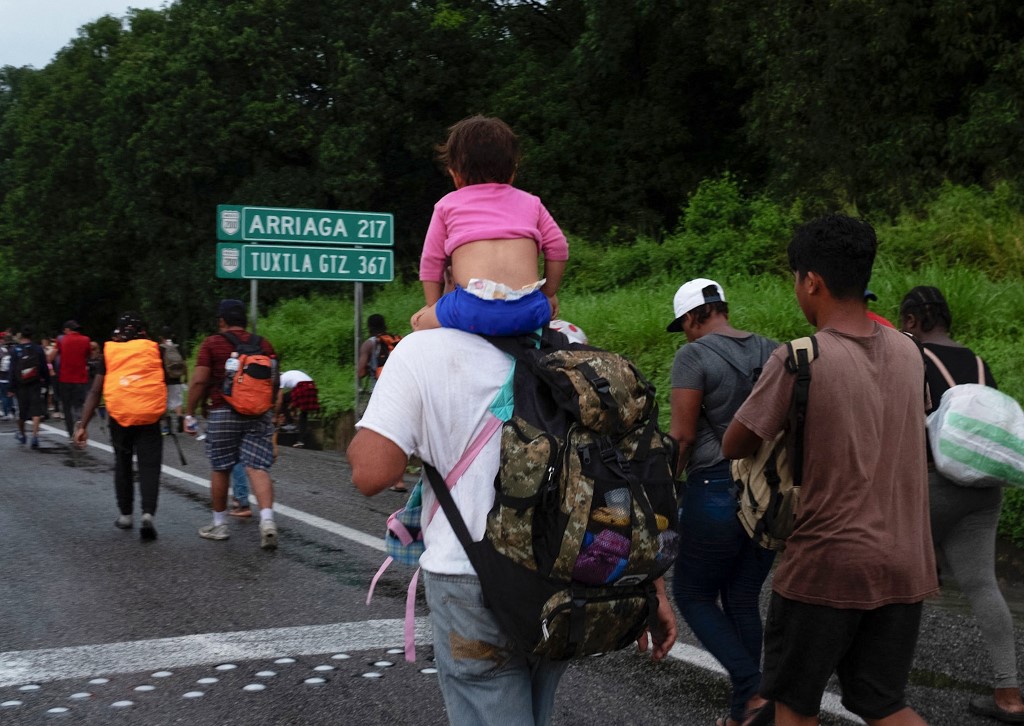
x,y
254,343
798,361
723,356
940,366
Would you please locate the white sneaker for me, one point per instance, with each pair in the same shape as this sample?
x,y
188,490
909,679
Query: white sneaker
x,y
123,522
268,534
214,531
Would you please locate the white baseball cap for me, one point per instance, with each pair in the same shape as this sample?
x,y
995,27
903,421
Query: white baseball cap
x,y
692,295
570,331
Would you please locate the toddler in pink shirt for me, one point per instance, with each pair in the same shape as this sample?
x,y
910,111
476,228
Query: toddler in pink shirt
x,y
492,233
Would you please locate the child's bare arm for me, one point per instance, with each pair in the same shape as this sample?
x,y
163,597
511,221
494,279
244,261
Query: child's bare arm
x,y
432,291
553,271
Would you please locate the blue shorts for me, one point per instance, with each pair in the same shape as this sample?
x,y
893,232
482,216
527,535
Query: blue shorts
x,y
463,311
232,438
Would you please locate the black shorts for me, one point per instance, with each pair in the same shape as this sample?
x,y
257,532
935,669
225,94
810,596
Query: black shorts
x,y
870,650
31,401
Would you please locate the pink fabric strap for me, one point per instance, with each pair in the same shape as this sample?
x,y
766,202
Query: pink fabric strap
x,y
398,529
492,424
410,618
373,582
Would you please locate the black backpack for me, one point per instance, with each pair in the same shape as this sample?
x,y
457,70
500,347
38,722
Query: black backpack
x,y
28,364
585,512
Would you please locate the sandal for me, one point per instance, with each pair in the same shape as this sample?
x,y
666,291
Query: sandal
x,y
399,488
760,716
240,512
987,706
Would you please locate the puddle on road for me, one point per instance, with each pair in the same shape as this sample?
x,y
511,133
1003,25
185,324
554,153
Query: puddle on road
x,y
84,462
944,681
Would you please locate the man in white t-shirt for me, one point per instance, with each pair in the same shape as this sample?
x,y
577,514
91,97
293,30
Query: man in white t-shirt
x,y
432,403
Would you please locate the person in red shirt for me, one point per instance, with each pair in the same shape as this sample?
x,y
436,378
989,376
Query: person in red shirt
x,y
872,315
230,436
73,377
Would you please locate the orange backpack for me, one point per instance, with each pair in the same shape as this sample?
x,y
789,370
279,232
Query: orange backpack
x,y
249,390
386,343
133,386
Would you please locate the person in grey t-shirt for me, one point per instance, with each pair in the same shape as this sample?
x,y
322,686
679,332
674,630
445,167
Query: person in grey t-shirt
x,y
711,376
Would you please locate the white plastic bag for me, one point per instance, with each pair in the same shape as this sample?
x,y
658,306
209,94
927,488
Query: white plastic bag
x,y
977,437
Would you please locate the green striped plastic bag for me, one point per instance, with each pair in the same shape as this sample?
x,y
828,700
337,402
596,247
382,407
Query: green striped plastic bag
x,y
977,437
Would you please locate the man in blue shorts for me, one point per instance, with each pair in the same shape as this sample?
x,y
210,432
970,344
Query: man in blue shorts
x,y
230,436
847,595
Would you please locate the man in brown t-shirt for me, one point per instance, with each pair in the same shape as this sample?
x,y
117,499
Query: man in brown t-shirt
x,y
847,594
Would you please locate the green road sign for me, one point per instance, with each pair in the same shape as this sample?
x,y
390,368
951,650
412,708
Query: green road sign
x,y
272,262
315,226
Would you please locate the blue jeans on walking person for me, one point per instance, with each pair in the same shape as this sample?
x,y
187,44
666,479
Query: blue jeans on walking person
x,y
483,683
6,402
718,561
240,484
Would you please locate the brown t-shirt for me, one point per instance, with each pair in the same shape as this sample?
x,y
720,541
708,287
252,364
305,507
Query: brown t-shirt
x,y
862,537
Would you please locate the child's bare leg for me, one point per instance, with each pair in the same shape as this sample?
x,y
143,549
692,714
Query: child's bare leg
x,y
425,319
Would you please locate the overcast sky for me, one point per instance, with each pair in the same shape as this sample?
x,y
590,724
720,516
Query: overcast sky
x,y
32,31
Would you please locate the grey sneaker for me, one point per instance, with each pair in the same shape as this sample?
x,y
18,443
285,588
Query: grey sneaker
x,y
268,534
146,530
214,531
123,522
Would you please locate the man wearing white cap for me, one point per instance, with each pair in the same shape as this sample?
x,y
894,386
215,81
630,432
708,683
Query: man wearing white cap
x,y
711,377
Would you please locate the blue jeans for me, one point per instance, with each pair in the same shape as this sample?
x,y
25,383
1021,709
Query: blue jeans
x,y
240,484
718,561
6,402
482,682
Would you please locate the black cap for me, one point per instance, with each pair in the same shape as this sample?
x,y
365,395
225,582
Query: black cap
x,y
71,325
227,307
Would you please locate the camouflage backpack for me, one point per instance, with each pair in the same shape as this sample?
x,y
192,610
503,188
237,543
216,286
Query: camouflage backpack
x,y
585,511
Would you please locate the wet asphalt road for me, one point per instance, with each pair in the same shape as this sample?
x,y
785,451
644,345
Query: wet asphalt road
x,y
82,602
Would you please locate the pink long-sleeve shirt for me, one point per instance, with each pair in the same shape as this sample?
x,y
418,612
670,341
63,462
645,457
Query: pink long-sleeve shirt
x,y
487,211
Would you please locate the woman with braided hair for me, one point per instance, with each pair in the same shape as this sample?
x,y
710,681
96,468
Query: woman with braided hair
x,y
964,519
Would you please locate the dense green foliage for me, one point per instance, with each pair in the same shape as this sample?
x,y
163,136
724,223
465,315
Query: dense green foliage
x,y
114,156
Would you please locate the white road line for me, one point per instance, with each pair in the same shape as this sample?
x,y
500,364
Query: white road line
x,y
56,664
686,653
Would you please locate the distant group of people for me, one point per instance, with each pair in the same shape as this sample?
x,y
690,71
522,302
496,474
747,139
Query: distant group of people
x,y
139,381
849,588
